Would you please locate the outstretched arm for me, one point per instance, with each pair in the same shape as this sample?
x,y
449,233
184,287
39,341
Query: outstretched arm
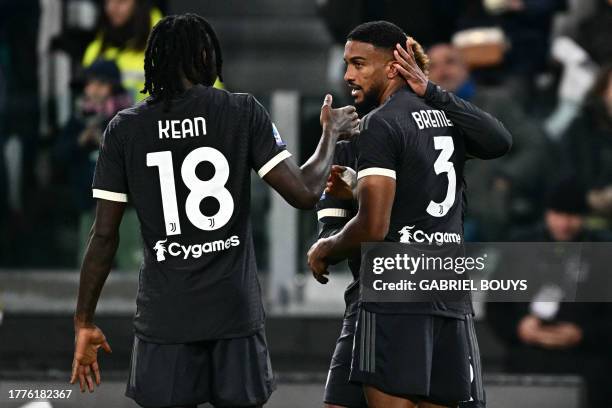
x,y
101,248
302,186
485,136
99,255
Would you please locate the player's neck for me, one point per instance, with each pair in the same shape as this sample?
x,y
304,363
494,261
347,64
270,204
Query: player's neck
x,y
392,87
187,84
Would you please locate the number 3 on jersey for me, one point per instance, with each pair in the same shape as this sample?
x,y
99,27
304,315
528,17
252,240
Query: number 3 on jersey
x,y
444,165
198,189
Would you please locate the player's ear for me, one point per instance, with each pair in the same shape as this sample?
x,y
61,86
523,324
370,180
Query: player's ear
x,y
392,71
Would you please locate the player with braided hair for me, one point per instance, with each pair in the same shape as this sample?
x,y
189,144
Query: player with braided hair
x,y
184,158
169,57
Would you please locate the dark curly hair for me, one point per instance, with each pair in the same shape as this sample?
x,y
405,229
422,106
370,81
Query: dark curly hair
x,y
383,34
179,46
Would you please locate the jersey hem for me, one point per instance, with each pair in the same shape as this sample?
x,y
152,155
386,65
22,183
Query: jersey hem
x,y
232,335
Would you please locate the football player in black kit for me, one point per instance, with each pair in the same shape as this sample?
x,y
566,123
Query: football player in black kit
x,y
409,159
183,158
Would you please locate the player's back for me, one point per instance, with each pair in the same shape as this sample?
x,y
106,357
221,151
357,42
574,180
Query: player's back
x,y
186,171
425,153
420,148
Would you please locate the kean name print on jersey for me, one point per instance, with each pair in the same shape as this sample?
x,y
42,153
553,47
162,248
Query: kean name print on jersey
x,y
180,129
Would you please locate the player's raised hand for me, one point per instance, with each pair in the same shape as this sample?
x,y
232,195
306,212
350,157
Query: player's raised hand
x,y
344,122
341,182
408,68
87,342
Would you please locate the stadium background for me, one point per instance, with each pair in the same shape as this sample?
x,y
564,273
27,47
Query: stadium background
x,y
539,65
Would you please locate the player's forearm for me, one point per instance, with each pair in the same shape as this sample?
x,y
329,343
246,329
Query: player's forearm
x,y
356,231
485,136
316,169
94,271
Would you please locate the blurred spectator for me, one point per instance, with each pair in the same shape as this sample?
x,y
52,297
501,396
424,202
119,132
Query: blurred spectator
x,y
567,23
123,29
578,75
582,54
595,34
78,145
558,337
587,145
498,190
528,25
428,21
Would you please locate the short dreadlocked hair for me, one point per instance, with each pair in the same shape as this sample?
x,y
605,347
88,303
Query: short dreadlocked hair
x,y
174,48
383,34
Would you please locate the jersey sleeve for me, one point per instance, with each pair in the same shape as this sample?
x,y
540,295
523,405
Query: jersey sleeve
x,y
110,182
485,136
333,212
378,149
267,146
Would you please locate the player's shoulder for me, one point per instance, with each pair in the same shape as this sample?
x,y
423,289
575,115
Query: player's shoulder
x,y
405,101
379,120
375,118
243,99
123,119
223,97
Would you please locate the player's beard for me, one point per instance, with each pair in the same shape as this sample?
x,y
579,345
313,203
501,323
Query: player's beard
x,y
370,102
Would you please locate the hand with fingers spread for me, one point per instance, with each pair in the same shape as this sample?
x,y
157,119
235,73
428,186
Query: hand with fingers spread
x,y
344,122
341,182
316,260
408,68
88,339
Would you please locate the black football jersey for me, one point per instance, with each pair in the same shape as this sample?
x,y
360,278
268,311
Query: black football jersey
x,y
187,174
418,146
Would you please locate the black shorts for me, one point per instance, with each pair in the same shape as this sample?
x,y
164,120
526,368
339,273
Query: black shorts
x,y
338,389
229,372
419,357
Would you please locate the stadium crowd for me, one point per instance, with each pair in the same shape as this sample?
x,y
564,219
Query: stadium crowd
x,y
543,67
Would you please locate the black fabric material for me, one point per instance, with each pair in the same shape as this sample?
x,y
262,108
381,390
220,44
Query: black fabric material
x,y
417,357
426,153
190,270
338,389
227,373
345,155
485,136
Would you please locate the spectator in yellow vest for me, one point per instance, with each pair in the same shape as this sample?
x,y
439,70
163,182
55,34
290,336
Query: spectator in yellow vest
x,y
123,29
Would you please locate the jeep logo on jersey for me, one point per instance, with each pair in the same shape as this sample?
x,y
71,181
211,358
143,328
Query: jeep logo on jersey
x,y
407,235
174,249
